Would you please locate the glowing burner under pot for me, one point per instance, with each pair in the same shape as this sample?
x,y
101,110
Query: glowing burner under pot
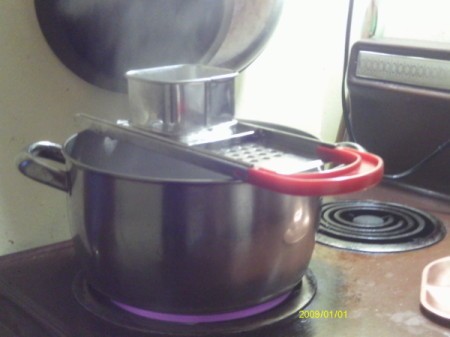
x,y
280,309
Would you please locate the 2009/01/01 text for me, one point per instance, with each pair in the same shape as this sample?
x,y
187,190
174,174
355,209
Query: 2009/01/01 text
x,y
314,314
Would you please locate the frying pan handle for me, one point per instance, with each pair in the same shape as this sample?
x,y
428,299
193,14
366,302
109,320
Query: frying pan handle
x,y
359,171
35,163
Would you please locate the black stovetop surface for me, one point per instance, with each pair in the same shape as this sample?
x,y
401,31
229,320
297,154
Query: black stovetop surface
x,y
37,299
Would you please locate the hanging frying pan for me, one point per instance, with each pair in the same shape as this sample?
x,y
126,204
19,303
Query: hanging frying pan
x,y
100,40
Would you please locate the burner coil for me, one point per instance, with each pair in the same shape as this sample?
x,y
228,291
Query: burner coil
x,y
373,226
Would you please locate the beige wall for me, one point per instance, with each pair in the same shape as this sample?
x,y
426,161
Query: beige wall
x,y
38,100
295,82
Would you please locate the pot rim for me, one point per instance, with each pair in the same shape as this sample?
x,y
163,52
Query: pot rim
x,y
148,179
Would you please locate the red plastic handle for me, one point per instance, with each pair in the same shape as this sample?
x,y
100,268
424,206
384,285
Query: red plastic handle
x,y
360,171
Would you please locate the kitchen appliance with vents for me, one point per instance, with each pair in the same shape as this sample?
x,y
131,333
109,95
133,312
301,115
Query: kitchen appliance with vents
x,y
399,93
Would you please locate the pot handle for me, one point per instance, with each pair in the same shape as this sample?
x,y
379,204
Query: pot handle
x,y
361,170
34,162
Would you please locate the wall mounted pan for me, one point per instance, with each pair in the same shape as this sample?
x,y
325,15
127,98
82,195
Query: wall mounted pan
x,y
99,40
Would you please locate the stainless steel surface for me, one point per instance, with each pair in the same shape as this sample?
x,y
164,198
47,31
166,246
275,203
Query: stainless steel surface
x,y
32,163
270,158
123,131
226,147
352,170
380,293
101,40
405,69
181,99
185,101
164,235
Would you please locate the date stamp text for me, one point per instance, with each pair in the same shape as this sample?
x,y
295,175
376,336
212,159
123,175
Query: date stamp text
x,y
322,314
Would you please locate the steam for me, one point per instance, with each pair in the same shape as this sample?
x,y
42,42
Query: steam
x,y
129,34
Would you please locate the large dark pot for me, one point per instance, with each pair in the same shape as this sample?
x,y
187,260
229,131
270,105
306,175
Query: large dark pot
x,y
160,234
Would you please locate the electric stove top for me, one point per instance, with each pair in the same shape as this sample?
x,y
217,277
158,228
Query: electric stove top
x,y
358,293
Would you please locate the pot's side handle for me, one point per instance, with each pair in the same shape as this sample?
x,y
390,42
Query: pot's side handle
x,y
35,163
